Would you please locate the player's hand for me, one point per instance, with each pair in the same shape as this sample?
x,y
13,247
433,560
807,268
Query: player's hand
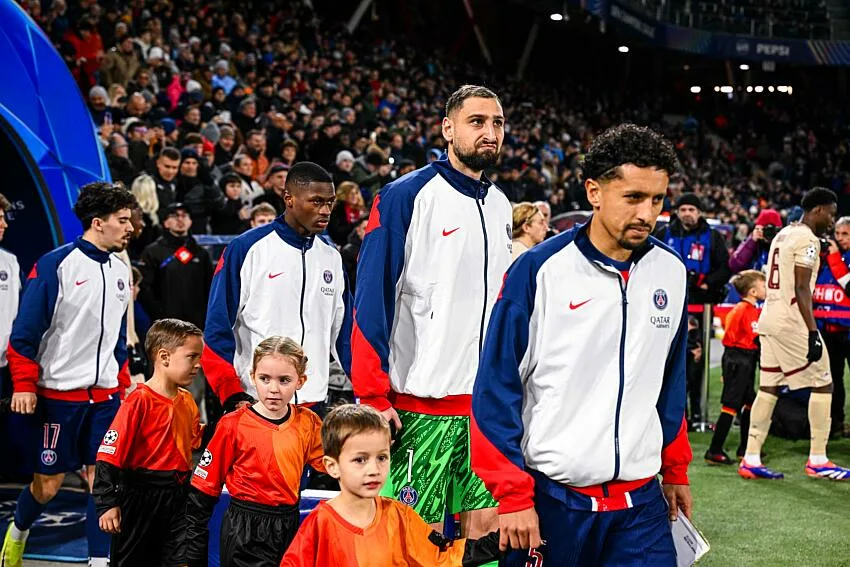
x,y
392,417
679,496
519,530
697,352
110,522
703,286
833,247
24,402
815,347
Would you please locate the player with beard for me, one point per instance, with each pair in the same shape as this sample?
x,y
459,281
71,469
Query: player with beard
x,y
436,248
68,357
579,401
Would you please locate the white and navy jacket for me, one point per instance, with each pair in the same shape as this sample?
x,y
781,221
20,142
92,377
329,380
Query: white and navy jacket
x,y
69,341
272,281
582,377
10,296
436,249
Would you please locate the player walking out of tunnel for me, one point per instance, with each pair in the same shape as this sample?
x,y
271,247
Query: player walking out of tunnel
x,y
579,400
68,357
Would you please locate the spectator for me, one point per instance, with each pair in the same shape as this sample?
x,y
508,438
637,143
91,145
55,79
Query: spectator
x,y
144,190
529,228
200,199
275,188
233,217
99,107
546,211
224,147
121,63
325,149
752,253
89,52
262,214
372,172
351,250
346,213
247,119
167,166
243,166
138,136
344,165
118,160
222,78
289,152
255,146
405,166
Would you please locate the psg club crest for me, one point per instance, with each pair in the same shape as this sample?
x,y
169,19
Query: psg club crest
x,y
111,437
206,459
329,277
659,297
3,276
409,496
48,457
120,284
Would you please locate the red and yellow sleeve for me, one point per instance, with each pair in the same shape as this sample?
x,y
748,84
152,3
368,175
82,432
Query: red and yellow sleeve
x,y
303,551
118,440
314,441
218,457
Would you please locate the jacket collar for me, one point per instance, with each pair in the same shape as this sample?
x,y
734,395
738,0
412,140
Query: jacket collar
x,y
462,183
288,235
176,241
91,250
590,251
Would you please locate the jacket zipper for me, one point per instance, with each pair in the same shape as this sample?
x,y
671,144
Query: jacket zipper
x,y
303,287
625,304
478,201
100,338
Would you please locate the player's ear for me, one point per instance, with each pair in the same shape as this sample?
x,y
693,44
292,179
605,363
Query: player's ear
x,y
593,192
448,129
331,465
163,355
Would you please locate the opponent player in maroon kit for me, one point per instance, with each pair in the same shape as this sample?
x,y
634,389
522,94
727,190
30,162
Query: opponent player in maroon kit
x,y
259,452
145,459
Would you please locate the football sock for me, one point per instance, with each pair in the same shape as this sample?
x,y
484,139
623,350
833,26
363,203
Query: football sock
x,y
744,417
759,426
27,511
819,408
721,429
98,540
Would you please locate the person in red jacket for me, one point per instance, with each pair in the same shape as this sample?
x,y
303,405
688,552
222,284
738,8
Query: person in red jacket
x,y
259,451
145,458
740,359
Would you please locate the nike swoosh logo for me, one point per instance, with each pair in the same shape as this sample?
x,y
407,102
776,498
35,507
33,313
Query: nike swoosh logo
x,y
273,276
82,282
448,232
577,305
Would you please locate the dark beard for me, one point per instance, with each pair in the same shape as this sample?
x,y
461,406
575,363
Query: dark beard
x,y
476,161
626,245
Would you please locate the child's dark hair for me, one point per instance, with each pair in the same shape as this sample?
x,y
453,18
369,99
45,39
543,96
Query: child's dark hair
x,y
347,420
169,334
746,280
100,199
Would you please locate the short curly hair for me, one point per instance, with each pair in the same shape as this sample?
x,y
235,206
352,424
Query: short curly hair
x,y
628,143
101,199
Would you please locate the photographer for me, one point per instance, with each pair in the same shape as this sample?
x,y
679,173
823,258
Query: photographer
x,y
751,254
831,294
707,260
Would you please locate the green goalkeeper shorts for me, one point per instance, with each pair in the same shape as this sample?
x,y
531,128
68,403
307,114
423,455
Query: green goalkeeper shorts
x,y
430,469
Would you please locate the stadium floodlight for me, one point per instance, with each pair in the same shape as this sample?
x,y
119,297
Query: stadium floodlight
x,y
717,89
759,89
790,89
744,67
782,89
749,89
726,89
556,17
696,90
623,49
770,88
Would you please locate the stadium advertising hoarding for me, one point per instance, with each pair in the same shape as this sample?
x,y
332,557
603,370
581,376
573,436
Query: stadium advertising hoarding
x,y
726,45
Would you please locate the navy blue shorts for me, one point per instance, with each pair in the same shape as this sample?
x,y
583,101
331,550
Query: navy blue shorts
x,y
633,537
71,432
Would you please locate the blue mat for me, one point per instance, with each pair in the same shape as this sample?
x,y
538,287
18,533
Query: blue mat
x,y
60,533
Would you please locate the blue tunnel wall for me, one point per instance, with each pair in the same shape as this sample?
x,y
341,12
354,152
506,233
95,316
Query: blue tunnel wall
x,y
48,143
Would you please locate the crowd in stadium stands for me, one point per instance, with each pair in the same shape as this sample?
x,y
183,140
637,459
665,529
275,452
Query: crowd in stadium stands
x,y
242,94
808,19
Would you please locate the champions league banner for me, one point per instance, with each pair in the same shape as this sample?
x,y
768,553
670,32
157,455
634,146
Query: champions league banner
x,y
724,45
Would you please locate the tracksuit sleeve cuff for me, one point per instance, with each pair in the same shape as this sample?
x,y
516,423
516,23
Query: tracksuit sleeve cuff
x,y
380,403
25,385
675,474
229,387
515,503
